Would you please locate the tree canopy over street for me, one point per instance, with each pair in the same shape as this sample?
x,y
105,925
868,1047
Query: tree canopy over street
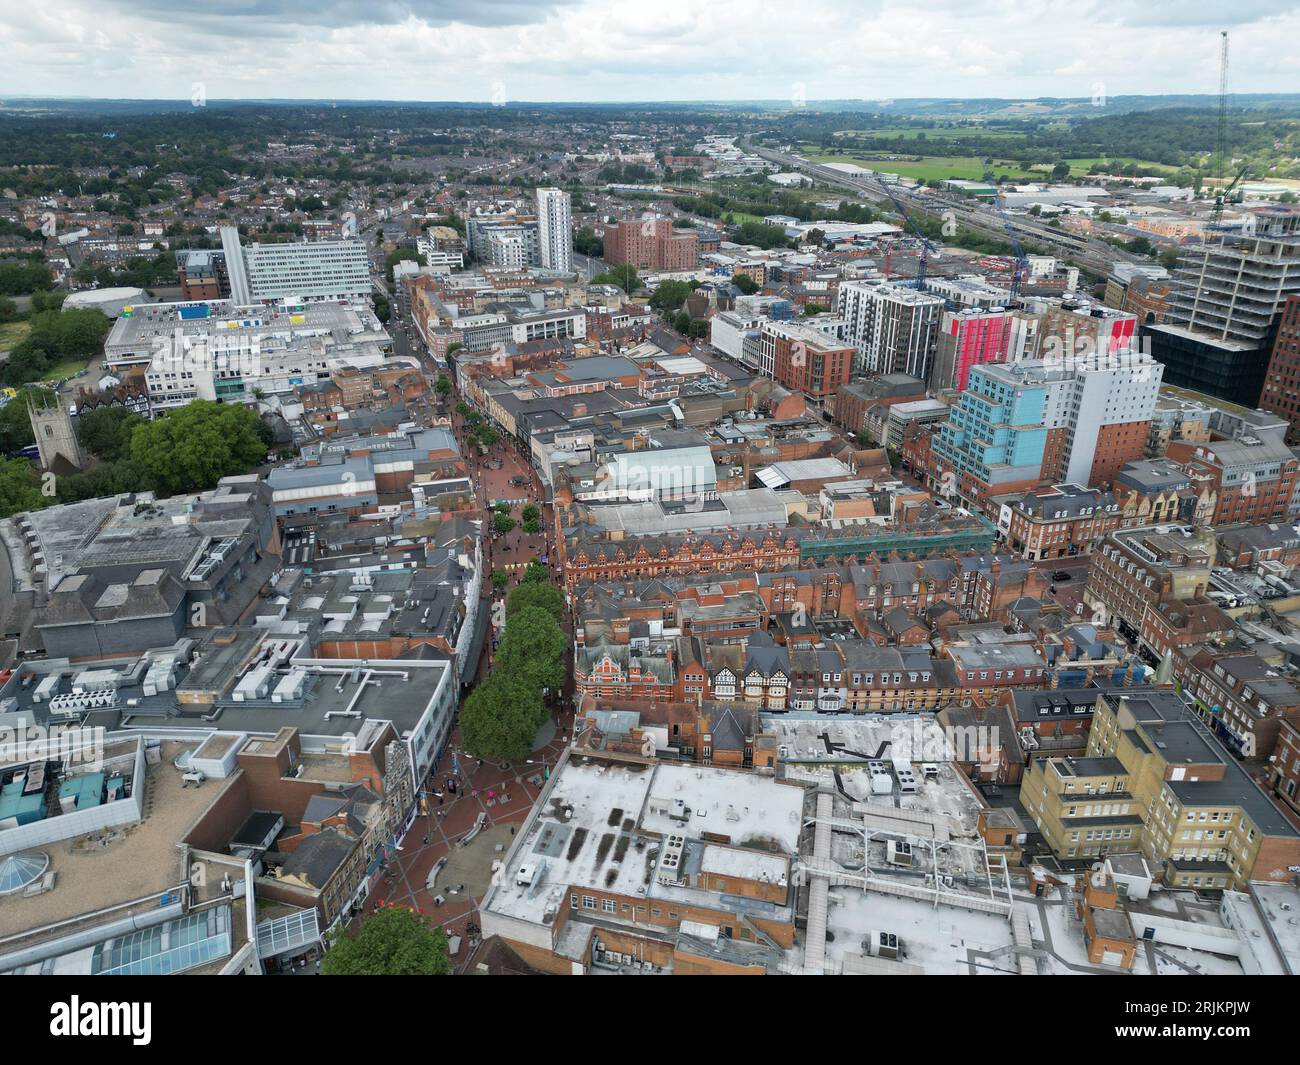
x,y
391,942
501,717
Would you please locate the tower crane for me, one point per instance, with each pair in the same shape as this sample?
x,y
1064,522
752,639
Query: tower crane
x,y
1020,268
926,246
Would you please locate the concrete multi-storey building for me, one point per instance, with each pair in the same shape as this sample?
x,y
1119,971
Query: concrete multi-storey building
x,y
1076,420
894,327
202,274
968,338
144,330
728,330
996,439
1223,310
505,239
1102,403
1072,328
308,270
1156,781
667,896
555,229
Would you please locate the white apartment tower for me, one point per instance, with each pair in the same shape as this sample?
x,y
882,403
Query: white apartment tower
x,y
304,270
895,327
555,229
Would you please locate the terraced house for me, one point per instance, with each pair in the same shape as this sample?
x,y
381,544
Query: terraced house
x,y
757,672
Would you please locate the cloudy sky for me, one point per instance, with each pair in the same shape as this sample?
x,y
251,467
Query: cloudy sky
x,y
614,50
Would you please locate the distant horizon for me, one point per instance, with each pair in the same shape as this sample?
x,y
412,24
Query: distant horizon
x,y
811,104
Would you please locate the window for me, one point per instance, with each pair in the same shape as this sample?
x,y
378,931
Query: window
x,y
607,905
588,902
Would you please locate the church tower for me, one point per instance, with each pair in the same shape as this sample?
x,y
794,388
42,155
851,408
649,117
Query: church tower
x,y
55,435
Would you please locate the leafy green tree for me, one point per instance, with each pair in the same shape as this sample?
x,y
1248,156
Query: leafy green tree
x,y
443,386
192,448
501,716
393,941
500,578
103,479
587,242
761,235
503,523
400,255
20,278
624,276
20,489
106,431
531,510
532,526
535,572
536,595
534,648
55,335
670,295
15,423
747,284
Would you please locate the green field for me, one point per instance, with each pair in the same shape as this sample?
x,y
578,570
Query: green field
x,y
62,370
927,168
13,334
1080,167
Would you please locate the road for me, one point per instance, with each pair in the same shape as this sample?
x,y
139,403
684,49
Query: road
x,y
588,266
1094,255
502,793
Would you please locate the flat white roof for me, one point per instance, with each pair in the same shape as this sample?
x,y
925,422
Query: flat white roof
x,y
596,830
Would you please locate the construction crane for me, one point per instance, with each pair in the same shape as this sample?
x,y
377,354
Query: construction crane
x,y
1221,138
1224,196
1020,268
926,246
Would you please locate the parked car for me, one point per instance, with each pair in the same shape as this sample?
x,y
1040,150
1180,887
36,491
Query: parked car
x,y
1061,575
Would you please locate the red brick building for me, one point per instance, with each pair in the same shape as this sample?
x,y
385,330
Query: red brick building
x,y
1281,393
1286,763
651,244
806,360
1254,479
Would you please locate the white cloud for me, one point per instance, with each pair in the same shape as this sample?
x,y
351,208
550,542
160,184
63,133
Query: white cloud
x,y
615,50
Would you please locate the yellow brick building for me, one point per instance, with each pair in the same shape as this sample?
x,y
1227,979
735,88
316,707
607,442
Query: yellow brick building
x,y
1155,780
